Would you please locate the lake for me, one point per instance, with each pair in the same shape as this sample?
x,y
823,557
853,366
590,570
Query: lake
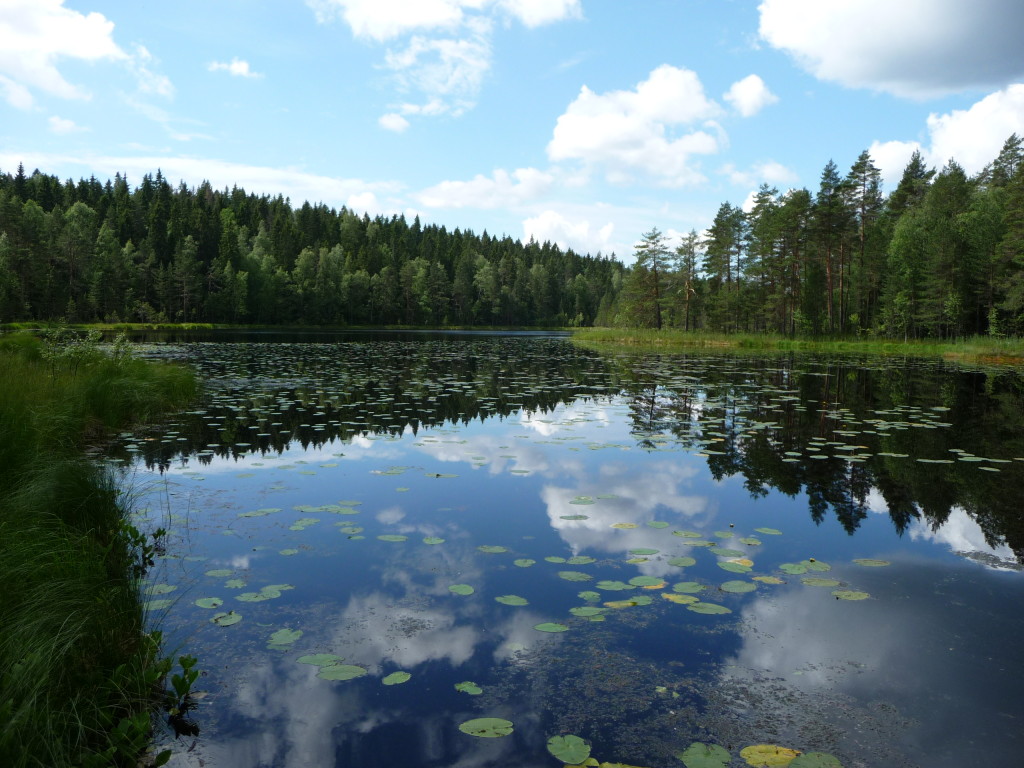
x,y
378,538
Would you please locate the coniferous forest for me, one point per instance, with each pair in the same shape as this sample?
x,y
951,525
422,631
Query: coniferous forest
x,y
940,256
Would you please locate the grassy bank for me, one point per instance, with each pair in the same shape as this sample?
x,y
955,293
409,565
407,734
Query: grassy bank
x,y
78,674
977,348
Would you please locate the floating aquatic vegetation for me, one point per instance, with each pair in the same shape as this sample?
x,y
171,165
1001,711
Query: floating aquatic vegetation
x,y
574,576
569,748
609,585
487,727
581,560
701,755
586,610
770,755
320,659
282,639
288,552
461,589
674,597
396,678
813,581
733,566
392,537
220,573
709,608
657,524
432,540
738,586
647,582
340,672
589,596
492,549
524,562
769,531
209,602
624,526
512,600
468,686
682,562
574,517
688,587
850,594
226,619
768,579
550,626
870,562
160,589
157,605
643,551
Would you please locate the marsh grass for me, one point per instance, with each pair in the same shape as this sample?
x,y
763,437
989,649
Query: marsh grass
x,y
1008,350
77,670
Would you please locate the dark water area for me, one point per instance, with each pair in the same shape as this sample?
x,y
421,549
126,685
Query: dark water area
x,y
819,553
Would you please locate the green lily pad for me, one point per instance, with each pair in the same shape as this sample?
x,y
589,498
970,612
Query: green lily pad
x,y
234,584
761,755
687,534
815,760
569,749
287,552
392,537
396,678
700,755
871,562
624,526
581,560
468,686
487,727
320,659
738,586
160,589
512,600
550,626
554,559
590,597
574,576
816,565
432,540
769,531
492,549
657,524
709,608
574,517
157,605
724,552
813,581
226,619
285,636
728,565
724,534
524,562
688,587
220,573
461,589
643,551
793,569
647,581
750,541
340,672
850,594
586,610
682,562
209,602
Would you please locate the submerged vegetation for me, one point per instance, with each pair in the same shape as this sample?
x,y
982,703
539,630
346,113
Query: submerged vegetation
x,y
78,672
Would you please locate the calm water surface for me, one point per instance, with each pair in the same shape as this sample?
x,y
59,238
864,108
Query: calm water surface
x,y
695,523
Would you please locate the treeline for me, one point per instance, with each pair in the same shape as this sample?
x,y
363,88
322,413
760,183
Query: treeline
x,y
942,256
96,251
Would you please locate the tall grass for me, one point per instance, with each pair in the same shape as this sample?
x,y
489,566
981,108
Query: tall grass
x,y
77,672
989,349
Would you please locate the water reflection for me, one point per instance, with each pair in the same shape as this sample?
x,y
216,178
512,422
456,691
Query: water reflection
x,y
551,453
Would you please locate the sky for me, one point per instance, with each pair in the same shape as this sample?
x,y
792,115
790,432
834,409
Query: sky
x,y
582,122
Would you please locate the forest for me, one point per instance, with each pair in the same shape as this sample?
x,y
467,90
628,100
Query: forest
x,y
941,256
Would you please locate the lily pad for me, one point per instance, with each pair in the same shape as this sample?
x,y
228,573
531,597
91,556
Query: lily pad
x,y
220,573
432,540
581,560
686,534
320,659
761,755
209,602
769,531
226,619
524,562
550,626
738,586
768,579
688,587
392,537
700,755
586,610
285,636
614,586
468,686
652,582
870,563
234,584
569,749
682,562
161,589
492,549
724,552
813,581
340,672
816,565
675,597
733,567
287,552
574,576
554,559
624,526
657,524
574,517
589,596
512,600
643,551
487,727
461,589
709,608
815,760
793,569
850,594
396,678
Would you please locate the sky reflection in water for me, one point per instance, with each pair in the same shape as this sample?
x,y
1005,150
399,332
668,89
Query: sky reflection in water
x,y
919,674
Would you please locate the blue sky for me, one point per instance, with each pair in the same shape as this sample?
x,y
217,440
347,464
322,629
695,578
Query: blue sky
x,y
584,122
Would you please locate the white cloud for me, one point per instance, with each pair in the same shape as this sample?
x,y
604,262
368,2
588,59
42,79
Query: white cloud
x,y
749,95
62,126
581,235
630,132
148,80
445,49
768,172
363,201
912,48
502,189
393,121
35,34
972,137
236,67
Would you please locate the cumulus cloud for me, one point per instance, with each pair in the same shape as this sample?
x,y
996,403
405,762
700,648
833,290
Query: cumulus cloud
x,y
236,67
768,172
749,95
62,126
626,133
911,48
393,121
972,136
582,235
499,190
442,47
35,34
